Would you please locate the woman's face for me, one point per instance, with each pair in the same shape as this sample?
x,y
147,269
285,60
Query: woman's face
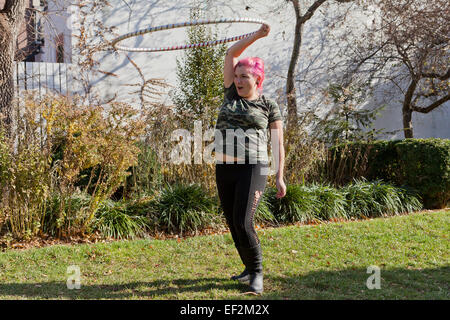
x,y
245,82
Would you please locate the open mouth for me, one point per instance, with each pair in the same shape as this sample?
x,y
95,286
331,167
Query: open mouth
x,y
239,88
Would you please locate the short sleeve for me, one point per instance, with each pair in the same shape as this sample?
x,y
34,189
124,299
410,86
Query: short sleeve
x,y
274,112
231,93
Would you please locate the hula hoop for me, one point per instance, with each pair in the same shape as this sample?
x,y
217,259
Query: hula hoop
x,y
181,25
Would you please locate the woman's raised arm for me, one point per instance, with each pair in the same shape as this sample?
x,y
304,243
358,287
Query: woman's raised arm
x,y
236,50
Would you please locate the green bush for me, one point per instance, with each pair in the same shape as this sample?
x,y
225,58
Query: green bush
x,y
419,164
360,202
184,208
187,208
356,200
113,220
263,213
298,205
61,215
116,219
331,202
371,199
307,203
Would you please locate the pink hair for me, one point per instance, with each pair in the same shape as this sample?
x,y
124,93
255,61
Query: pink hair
x,y
256,66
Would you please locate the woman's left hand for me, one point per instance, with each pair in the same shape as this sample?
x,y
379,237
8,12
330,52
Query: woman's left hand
x,y
281,187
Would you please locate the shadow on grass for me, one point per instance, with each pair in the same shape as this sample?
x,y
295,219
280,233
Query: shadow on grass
x,y
158,289
347,284
353,284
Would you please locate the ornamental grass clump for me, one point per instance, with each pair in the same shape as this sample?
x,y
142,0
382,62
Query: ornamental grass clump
x,y
388,199
263,214
181,208
410,199
114,221
376,198
298,205
331,202
62,214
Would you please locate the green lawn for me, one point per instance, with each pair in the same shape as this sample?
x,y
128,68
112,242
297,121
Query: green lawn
x,y
325,261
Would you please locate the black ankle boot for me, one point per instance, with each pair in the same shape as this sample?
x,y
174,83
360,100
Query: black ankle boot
x,y
244,276
253,262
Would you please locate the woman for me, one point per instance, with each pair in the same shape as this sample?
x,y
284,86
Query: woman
x,y
241,159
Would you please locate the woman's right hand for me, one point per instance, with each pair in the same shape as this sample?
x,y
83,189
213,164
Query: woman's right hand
x,y
281,187
263,31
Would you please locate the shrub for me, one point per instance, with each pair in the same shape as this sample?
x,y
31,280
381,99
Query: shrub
x,y
24,184
113,220
330,202
54,140
184,208
147,175
63,215
263,213
420,164
371,199
143,178
424,165
298,205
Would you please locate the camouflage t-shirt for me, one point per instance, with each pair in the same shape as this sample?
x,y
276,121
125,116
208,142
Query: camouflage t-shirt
x,y
242,127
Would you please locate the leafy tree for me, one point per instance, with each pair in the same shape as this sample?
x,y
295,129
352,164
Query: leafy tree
x,y
346,121
200,76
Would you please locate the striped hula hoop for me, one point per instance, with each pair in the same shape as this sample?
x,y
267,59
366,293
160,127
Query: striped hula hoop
x,y
181,25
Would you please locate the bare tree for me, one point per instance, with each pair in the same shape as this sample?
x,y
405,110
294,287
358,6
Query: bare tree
x,y
301,19
11,18
407,44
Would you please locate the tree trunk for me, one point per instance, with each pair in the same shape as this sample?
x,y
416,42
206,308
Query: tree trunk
x,y
292,119
407,110
6,77
407,123
11,18
291,95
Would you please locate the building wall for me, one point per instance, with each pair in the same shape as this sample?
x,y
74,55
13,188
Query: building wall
x,y
315,69
44,32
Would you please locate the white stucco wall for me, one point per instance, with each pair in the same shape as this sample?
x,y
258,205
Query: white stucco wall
x,y
313,72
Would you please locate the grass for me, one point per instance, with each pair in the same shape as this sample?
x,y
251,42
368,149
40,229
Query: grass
x,y
323,261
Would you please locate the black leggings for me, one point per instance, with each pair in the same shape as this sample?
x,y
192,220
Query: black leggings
x,y
240,187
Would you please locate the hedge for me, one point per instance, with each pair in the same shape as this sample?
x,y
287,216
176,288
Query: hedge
x,y
420,164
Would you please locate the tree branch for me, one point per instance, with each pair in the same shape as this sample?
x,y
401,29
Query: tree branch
x,y
405,59
362,61
436,75
311,10
432,106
